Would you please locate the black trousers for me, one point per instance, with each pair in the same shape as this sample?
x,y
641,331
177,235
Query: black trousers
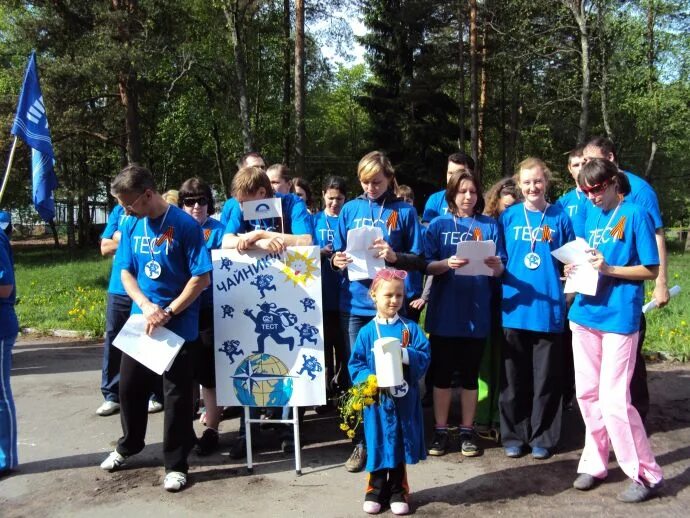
x,y
388,485
639,392
335,353
530,402
136,383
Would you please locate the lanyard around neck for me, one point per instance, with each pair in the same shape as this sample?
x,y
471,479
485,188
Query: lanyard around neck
x,y
533,238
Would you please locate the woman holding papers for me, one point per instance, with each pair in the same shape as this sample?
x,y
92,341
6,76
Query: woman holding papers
x,y
533,312
605,332
459,316
401,246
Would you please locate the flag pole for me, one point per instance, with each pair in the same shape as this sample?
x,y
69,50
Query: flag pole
x,y
9,166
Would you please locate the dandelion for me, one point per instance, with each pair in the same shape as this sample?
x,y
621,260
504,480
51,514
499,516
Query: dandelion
x,y
357,406
344,427
351,434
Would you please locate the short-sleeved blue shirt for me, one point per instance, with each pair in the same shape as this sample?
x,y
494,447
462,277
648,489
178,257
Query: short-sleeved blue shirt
x,y
176,242
115,221
435,206
572,203
231,208
400,227
213,237
324,231
296,218
533,298
459,305
9,326
628,240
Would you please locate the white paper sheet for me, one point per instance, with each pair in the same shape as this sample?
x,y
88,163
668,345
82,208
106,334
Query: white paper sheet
x,y
585,278
476,252
157,352
365,261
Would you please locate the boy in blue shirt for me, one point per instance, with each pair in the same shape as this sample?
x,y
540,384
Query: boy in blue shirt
x,y
436,205
165,267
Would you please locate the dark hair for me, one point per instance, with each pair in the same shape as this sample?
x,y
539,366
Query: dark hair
x,y
193,188
576,152
283,171
405,191
461,158
132,179
452,188
600,170
335,182
503,187
302,183
605,144
242,162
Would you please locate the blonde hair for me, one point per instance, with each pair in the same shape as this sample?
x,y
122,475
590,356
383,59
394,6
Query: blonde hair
x,y
374,163
248,180
532,163
172,197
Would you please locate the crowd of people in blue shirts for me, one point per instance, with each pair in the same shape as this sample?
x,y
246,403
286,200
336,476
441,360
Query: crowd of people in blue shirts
x,y
511,331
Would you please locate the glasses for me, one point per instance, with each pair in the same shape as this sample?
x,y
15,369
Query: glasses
x,y
595,189
190,202
388,274
130,207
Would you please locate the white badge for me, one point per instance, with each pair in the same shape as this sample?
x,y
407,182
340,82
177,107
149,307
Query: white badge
x,y
400,390
152,269
532,261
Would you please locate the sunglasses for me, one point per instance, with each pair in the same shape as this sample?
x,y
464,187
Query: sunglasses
x,y
388,274
190,202
595,189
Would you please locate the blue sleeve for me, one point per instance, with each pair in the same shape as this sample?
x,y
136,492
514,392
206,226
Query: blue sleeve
x,y
300,219
198,256
113,223
418,353
230,207
645,239
340,234
234,223
646,197
579,220
429,211
124,257
432,246
500,243
358,365
568,232
6,270
415,245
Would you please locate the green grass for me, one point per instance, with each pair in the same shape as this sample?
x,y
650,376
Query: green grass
x,y
59,289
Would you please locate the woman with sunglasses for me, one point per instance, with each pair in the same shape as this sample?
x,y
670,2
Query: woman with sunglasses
x,y
401,247
605,332
459,318
196,199
533,313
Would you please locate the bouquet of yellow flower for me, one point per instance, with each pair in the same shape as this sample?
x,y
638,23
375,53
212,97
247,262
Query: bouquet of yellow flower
x,y
352,404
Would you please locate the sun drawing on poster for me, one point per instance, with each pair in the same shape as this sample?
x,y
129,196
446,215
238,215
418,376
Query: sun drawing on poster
x,y
299,268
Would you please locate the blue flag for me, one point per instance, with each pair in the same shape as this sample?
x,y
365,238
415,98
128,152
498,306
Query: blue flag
x,y
31,125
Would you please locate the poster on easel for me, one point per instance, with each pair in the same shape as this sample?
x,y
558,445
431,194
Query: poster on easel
x,y
268,327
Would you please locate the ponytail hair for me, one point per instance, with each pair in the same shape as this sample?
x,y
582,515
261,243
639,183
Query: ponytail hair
x,y
599,170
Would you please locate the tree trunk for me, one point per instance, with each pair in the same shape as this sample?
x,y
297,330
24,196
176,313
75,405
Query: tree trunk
x,y
461,79
651,84
234,21
299,88
287,61
474,87
504,141
603,83
220,162
577,8
71,241
127,83
483,87
514,132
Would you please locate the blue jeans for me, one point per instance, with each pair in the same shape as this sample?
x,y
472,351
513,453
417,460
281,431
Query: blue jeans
x,y
8,414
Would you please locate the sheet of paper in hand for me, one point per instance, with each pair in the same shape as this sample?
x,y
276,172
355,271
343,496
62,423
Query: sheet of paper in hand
x,y
157,352
476,252
585,278
365,260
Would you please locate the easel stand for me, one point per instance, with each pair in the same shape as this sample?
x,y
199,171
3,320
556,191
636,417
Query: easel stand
x,y
295,431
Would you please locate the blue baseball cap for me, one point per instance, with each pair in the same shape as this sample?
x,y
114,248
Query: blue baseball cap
x,y
5,219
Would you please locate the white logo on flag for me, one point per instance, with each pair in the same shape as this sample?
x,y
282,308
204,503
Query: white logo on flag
x,y
36,111
262,209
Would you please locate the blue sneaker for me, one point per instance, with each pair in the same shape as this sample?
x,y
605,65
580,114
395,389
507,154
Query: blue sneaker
x,y
540,453
513,451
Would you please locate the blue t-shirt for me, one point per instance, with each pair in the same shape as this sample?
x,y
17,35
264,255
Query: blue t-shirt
x,y
296,219
231,209
628,240
9,326
401,230
213,237
324,230
641,193
180,251
115,221
435,206
459,305
533,299
572,203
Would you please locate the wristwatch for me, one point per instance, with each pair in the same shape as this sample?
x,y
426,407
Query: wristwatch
x,y
169,311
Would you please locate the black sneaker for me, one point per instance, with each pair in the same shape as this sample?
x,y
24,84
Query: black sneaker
x,y
439,444
207,443
239,449
469,444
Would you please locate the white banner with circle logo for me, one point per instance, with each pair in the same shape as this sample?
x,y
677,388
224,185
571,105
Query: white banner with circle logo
x,y
268,327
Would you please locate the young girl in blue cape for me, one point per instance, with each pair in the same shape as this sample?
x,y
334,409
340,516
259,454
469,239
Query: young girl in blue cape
x,y
394,425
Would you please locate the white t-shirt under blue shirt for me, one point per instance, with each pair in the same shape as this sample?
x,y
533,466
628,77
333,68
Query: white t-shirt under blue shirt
x,y
533,298
625,238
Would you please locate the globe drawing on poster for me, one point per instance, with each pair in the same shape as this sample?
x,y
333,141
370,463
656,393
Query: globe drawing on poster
x,y
268,327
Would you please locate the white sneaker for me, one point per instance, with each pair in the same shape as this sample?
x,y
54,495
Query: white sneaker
x,y
113,461
108,408
174,481
154,406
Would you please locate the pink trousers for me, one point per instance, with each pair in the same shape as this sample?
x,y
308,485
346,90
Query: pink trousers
x,y
604,364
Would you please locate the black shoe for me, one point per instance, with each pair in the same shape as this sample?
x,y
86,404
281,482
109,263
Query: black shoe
x,y
207,443
239,449
469,445
287,445
439,444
